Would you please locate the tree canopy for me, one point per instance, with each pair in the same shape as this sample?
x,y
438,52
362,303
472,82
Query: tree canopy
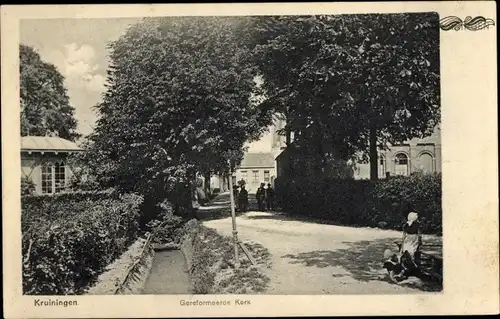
x,y
352,82
45,107
179,101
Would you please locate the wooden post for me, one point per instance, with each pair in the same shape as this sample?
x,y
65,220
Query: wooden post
x,y
248,253
233,216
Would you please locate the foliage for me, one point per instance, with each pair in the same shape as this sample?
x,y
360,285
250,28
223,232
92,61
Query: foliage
x,y
182,86
45,107
165,226
241,182
82,178
338,78
27,186
69,238
364,202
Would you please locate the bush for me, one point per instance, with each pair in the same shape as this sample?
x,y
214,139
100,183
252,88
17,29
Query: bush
x,y
364,202
27,186
216,191
166,225
69,238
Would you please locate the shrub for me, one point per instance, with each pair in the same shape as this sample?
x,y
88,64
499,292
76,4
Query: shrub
x,y
365,202
69,238
166,225
216,191
27,186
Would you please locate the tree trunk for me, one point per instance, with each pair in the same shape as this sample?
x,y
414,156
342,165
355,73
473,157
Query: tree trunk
x,y
206,177
287,137
287,132
373,154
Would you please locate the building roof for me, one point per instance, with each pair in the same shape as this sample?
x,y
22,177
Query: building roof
x,y
257,160
47,144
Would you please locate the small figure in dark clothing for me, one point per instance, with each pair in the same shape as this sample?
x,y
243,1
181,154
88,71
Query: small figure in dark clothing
x,y
243,200
399,266
269,197
261,197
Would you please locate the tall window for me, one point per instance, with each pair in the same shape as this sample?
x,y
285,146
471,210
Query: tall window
x,y
426,163
59,177
47,180
401,164
53,178
255,175
267,178
244,176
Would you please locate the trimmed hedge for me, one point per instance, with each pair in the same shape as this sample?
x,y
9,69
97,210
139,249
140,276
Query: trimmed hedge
x,y
383,203
69,238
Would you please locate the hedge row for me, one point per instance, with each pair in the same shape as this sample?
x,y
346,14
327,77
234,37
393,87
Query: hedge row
x,y
69,238
383,203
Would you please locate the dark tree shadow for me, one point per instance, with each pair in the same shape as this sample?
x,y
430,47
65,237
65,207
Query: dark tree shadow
x,y
362,260
220,208
271,217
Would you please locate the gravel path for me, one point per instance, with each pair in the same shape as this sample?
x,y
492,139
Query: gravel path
x,y
312,258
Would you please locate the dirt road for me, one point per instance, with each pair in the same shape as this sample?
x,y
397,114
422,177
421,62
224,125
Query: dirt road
x,y
313,258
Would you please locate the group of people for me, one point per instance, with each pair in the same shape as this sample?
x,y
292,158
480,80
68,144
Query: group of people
x,y
264,196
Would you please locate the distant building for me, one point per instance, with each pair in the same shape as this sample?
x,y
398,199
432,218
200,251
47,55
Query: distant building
x,y
44,161
256,168
416,155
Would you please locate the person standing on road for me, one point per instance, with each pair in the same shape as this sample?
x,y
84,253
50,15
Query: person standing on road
x,y
269,197
261,197
412,239
257,197
243,199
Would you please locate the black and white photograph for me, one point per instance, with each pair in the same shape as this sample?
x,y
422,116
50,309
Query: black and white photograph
x,y
205,161
231,155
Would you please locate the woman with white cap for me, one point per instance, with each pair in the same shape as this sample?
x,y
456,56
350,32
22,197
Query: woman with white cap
x,y
412,239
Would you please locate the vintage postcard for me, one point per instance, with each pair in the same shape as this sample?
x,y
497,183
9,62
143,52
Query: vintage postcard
x,y
247,160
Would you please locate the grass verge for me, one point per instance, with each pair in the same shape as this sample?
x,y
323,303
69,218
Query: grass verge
x,y
211,263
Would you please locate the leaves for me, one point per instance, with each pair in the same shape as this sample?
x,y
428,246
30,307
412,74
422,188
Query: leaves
x,y
345,73
364,202
179,102
75,236
45,107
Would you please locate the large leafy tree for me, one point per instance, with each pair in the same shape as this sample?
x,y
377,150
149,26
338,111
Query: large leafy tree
x,y
352,83
45,107
178,103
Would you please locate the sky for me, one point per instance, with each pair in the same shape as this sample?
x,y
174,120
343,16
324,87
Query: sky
x,y
77,47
